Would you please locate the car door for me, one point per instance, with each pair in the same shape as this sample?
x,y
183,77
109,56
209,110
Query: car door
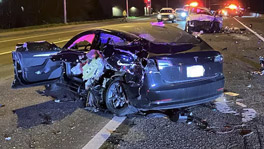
x,y
33,66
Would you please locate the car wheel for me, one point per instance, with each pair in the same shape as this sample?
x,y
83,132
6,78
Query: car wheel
x,y
115,97
187,28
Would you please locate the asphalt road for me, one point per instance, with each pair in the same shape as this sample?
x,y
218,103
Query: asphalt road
x,y
35,121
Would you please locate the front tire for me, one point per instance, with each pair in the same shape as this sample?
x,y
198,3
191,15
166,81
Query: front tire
x,y
115,97
187,28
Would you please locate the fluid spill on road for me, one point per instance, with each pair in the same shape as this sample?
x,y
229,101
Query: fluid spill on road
x,y
224,106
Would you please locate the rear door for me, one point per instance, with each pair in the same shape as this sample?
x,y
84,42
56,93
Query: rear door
x,y
33,65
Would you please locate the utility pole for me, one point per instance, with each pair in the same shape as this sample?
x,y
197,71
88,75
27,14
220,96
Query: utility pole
x,y
65,11
127,8
167,3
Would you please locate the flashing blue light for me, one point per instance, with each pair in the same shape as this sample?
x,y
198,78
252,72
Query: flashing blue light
x,y
183,14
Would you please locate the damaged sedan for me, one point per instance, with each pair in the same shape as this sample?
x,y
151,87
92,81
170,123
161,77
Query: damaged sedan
x,y
201,19
123,71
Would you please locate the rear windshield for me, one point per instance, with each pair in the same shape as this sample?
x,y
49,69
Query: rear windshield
x,y
156,34
166,11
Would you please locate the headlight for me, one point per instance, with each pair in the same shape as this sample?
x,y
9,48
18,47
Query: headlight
x,y
183,14
171,16
159,16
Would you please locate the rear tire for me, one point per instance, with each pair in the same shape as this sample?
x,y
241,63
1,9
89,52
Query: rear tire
x,y
115,97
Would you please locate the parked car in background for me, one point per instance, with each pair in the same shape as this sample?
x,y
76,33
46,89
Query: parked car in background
x,y
166,14
201,18
181,14
232,10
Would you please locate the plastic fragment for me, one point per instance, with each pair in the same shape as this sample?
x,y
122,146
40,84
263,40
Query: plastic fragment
x,y
57,100
241,104
231,94
8,138
245,132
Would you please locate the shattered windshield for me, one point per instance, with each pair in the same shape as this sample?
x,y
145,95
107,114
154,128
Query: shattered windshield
x,y
166,11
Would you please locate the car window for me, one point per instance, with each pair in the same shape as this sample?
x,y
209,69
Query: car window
x,y
113,40
83,43
200,11
166,11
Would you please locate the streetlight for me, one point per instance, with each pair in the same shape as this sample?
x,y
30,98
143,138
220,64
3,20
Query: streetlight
x,y
167,3
65,11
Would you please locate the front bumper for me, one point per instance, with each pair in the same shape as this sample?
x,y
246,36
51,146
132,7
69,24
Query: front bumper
x,y
166,18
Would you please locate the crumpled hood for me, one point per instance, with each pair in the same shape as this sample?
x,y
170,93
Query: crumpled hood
x,y
204,17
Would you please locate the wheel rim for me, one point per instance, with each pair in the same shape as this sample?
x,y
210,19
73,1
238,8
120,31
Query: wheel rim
x,y
116,95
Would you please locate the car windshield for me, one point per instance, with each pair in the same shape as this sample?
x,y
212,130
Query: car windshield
x,y
196,10
166,11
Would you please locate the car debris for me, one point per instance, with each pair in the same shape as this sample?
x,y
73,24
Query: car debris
x,y
231,94
159,24
7,138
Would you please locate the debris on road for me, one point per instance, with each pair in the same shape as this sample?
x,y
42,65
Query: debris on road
x,y
224,49
7,138
249,86
159,24
248,114
246,132
1,105
241,104
57,100
231,94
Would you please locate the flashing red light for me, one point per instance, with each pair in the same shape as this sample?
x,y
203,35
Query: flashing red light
x,y
232,6
194,4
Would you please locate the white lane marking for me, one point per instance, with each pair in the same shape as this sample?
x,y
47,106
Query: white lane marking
x,y
5,53
79,30
8,52
97,141
260,37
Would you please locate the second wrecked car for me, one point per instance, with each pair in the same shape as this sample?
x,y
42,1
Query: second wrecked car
x,y
201,19
123,71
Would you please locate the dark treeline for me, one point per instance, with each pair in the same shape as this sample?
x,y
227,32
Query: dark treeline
x,y
19,13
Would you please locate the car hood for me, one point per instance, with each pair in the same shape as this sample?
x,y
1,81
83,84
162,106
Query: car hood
x,y
204,17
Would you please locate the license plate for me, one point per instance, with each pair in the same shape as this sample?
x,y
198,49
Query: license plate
x,y
195,71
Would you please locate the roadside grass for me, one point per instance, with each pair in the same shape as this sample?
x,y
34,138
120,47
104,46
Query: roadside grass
x,y
53,25
60,24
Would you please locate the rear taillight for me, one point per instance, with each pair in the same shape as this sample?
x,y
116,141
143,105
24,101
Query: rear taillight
x,y
219,58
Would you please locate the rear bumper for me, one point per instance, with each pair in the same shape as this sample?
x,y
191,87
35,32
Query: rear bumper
x,y
186,95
